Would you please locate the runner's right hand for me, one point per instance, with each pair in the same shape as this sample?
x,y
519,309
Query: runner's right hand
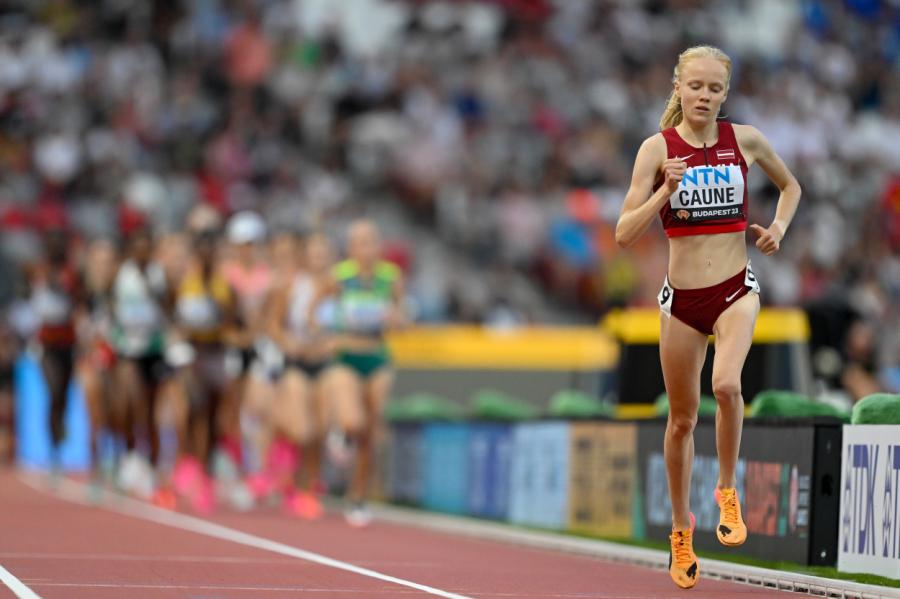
x,y
673,170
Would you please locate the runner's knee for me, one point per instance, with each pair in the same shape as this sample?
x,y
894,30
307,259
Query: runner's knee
x,y
681,425
727,391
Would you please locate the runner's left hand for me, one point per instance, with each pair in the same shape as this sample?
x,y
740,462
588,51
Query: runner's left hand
x,y
769,240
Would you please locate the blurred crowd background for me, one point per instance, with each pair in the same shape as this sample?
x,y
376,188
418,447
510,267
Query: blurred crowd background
x,y
492,141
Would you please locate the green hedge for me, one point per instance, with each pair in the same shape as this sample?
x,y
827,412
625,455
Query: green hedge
x,y
490,404
423,406
878,408
572,405
788,404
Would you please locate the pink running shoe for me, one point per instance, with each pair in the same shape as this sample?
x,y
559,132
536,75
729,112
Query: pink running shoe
x,y
187,475
281,464
260,484
190,481
203,501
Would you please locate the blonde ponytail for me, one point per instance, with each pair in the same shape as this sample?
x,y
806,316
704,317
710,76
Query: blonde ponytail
x,y
673,114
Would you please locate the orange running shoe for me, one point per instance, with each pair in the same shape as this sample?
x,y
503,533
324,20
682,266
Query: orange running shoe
x,y
683,565
165,498
304,504
731,531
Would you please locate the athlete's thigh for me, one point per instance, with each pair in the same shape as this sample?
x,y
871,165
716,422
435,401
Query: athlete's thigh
x,y
128,383
292,407
734,335
682,352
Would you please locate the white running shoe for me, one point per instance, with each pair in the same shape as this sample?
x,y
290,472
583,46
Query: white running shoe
x,y
358,515
136,476
339,448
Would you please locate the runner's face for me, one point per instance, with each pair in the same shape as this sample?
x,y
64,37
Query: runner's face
x,y
246,252
703,87
101,265
205,244
365,244
318,253
283,250
142,247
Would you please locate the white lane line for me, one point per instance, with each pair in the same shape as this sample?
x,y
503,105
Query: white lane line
x,y
205,587
16,586
392,592
76,493
189,559
767,580
105,557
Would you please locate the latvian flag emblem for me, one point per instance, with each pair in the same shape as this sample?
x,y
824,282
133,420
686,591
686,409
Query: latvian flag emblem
x,y
725,154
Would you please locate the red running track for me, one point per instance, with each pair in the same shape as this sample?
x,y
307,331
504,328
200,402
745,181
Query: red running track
x,y
62,549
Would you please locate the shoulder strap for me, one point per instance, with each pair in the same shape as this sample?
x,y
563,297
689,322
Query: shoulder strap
x,y
672,141
726,133
346,270
387,270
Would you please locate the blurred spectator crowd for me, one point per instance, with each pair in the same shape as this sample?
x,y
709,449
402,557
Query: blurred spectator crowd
x,y
505,129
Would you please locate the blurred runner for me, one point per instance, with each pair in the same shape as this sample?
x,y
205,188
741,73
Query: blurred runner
x,y
55,297
97,356
9,349
205,318
139,299
368,296
298,412
250,279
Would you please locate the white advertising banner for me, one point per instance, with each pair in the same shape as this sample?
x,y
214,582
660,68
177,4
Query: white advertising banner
x,y
869,537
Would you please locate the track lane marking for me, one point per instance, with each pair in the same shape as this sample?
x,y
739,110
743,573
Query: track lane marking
x,y
16,586
76,493
208,587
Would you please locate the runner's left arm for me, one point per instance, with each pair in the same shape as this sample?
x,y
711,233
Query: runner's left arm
x,y
397,317
771,163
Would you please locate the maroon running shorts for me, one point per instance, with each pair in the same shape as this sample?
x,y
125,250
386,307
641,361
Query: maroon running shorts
x,y
700,308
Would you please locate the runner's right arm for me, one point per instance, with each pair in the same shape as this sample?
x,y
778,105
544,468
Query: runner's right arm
x,y
637,211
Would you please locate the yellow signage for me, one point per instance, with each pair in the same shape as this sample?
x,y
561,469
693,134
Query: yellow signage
x,y
641,325
469,347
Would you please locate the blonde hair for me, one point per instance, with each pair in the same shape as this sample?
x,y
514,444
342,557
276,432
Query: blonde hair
x,y
673,115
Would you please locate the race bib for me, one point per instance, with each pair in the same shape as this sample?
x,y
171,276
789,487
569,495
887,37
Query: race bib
x,y
750,280
709,193
198,313
665,297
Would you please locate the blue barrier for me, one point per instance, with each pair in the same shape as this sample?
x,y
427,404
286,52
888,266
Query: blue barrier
x,y
539,483
32,421
490,450
445,467
404,464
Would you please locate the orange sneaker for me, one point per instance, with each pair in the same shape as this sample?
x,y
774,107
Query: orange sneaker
x,y
683,565
731,531
684,569
165,498
305,505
